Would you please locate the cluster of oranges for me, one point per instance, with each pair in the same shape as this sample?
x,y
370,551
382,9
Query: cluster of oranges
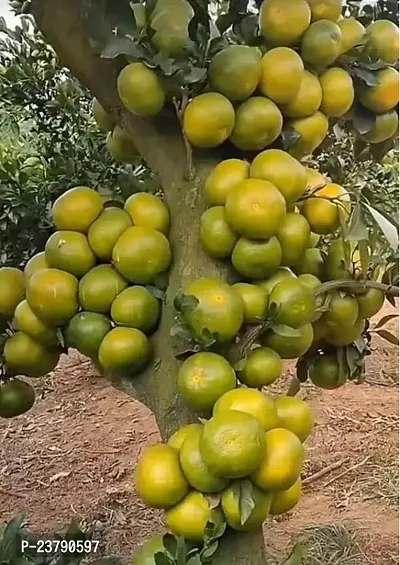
x,y
251,448
91,289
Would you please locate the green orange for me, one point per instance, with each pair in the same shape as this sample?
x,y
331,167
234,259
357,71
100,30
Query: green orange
x,y
262,367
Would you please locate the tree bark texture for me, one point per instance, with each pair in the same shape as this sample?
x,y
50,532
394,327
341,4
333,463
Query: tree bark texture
x,y
161,144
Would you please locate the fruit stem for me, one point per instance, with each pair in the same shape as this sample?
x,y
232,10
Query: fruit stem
x,y
357,287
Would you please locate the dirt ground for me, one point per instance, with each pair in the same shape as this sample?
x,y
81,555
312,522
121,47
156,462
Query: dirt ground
x,y
73,454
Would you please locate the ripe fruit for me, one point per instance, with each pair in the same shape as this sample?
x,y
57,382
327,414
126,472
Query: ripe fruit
x,y
282,170
86,331
258,123
290,347
102,118
148,211
344,334
121,146
69,251
136,307
222,178
219,309
208,120
140,90
235,72
370,303
383,41
105,231
321,43
189,517
203,378
195,470
256,259
16,398
285,500
282,73
25,356
326,372
177,438
312,130
216,235
324,208
146,553
282,462
53,296
125,350
255,208
284,23
171,34
230,501
262,367
99,288
36,263
311,281
307,100
295,303
76,209
12,290
27,322
343,310
312,263
325,9
251,402
280,274
232,444
295,415
385,127
337,92
159,480
314,179
293,236
352,33
385,95
141,254
255,302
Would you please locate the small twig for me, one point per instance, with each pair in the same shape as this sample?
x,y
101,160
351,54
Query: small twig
x,y
179,109
388,289
347,471
324,471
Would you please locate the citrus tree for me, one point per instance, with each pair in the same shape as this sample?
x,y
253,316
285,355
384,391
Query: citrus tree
x,y
189,299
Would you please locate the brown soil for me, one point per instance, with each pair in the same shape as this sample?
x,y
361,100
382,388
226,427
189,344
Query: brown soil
x,y
73,454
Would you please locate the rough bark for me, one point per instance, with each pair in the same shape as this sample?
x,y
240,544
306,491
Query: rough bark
x,y
161,145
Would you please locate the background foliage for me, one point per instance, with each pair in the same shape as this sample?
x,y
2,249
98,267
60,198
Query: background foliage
x,y
48,142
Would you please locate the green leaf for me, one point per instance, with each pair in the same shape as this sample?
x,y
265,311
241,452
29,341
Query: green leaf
x,y
367,76
383,321
246,501
363,120
207,338
118,45
162,559
10,542
391,338
289,137
193,75
209,551
170,544
156,292
139,13
296,556
195,560
240,365
181,330
188,303
285,331
388,228
357,228
181,552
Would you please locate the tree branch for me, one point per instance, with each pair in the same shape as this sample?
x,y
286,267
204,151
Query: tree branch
x,y
63,24
357,287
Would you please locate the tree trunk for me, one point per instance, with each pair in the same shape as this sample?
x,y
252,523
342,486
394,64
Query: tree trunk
x,y
162,146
